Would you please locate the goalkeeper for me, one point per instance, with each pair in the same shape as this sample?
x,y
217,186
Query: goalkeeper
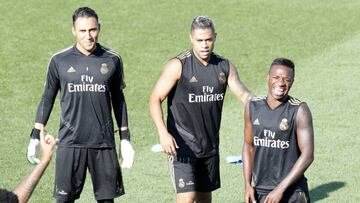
x,y
90,79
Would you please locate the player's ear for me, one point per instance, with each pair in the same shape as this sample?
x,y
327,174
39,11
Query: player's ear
x,y
73,30
99,26
190,36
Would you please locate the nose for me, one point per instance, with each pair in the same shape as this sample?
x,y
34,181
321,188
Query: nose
x,y
204,44
282,81
88,35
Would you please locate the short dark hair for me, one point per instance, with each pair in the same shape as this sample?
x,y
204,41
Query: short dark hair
x,y
8,196
84,12
202,22
284,62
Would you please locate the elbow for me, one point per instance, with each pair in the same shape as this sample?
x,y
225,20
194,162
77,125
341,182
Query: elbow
x,y
311,158
153,102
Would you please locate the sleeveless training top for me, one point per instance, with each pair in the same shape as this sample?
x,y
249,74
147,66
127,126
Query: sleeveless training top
x,y
195,105
275,144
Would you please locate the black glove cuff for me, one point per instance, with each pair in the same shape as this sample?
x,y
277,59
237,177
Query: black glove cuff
x,y
35,133
124,134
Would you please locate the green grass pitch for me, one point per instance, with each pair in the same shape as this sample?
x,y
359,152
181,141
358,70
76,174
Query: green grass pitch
x,y
322,37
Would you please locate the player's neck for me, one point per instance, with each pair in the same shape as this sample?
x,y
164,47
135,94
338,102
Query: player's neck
x,y
205,62
84,51
274,103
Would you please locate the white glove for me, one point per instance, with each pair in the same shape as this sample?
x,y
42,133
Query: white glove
x,y
33,151
127,154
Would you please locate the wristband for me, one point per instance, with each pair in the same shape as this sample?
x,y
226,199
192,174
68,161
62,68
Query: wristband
x,y
124,134
35,133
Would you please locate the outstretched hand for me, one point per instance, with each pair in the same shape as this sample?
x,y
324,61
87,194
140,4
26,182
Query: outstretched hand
x,y
47,145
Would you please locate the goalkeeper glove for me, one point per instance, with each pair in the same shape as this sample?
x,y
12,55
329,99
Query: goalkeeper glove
x,y
126,150
33,148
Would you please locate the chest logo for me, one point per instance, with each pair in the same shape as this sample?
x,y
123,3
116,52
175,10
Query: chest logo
x,y
222,78
256,122
104,68
193,79
71,70
284,125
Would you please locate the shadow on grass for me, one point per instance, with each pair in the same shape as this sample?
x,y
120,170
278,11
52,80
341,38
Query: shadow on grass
x,y
322,191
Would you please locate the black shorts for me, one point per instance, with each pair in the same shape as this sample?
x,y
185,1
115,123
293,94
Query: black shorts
x,y
191,174
71,165
289,197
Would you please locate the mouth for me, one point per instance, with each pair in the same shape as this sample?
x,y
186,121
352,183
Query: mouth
x,y
205,52
279,90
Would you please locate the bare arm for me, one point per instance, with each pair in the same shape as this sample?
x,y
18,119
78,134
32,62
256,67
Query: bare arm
x,y
169,77
248,157
27,186
305,139
237,86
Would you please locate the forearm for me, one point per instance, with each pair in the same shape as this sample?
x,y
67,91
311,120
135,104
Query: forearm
x,y
296,172
27,186
45,106
39,126
247,163
157,115
120,110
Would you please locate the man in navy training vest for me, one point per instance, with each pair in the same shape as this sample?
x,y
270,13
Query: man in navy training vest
x,y
194,83
279,141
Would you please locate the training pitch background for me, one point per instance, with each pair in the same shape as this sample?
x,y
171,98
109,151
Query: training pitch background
x,y
322,38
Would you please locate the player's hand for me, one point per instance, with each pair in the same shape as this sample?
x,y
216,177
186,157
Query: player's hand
x,y
32,153
126,154
274,196
168,143
47,145
250,195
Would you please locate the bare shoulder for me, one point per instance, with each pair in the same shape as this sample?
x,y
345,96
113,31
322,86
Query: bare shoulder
x,y
173,68
304,108
304,117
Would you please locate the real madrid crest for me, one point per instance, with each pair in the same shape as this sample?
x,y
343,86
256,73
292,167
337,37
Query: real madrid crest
x,y
104,68
222,78
181,183
284,125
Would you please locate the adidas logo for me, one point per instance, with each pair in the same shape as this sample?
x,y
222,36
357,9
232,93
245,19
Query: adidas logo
x,y
71,70
256,122
193,79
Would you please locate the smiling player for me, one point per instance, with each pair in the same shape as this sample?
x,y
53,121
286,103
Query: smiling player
x,y
279,141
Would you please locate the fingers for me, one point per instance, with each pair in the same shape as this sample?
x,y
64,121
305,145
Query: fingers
x,y
33,160
170,149
177,147
49,139
169,144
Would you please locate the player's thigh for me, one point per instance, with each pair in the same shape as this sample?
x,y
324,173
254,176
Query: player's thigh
x,y
105,173
208,174
70,173
296,197
182,171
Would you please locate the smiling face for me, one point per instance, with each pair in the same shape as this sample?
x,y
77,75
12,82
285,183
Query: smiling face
x,y
280,79
203,41
86,30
